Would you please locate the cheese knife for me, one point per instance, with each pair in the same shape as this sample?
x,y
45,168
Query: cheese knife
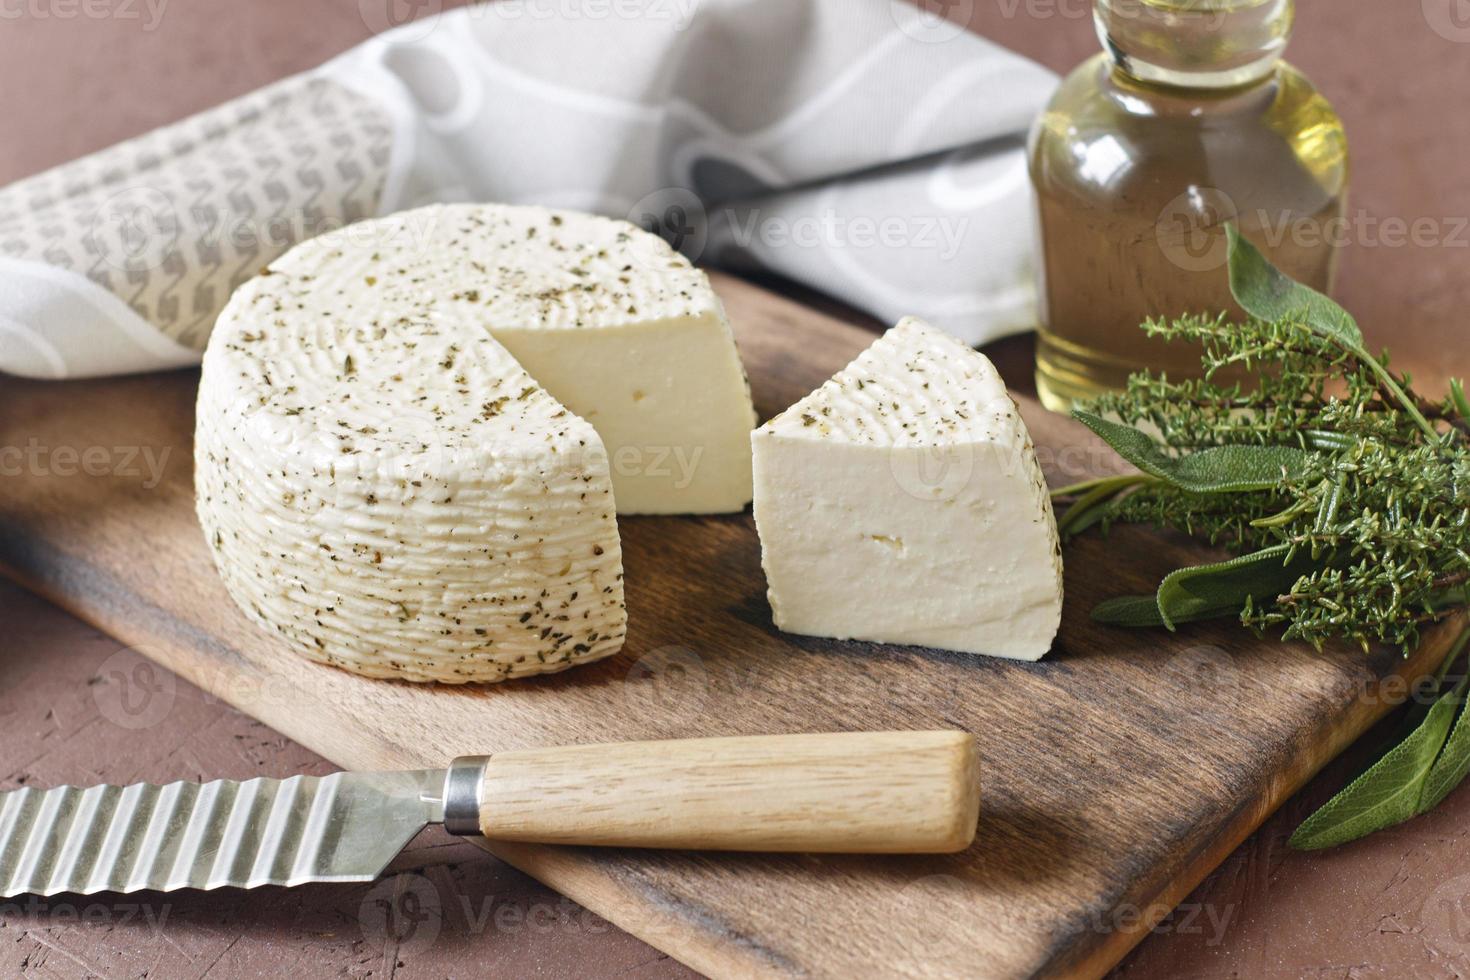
x,y
873,792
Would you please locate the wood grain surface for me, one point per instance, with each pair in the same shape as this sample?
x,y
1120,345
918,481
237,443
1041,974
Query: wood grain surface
x,y
842,793
1116,772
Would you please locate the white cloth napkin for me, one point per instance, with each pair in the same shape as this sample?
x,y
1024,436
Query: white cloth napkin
x,y
861,147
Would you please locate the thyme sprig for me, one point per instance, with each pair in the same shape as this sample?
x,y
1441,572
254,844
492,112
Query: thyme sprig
x,y
1343,493
1346,464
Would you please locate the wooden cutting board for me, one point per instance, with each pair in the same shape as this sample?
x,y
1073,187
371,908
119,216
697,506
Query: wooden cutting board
x,y
1117,772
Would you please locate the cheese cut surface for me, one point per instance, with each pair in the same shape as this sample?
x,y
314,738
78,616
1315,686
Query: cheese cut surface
x,y
625,333
902,502
386,485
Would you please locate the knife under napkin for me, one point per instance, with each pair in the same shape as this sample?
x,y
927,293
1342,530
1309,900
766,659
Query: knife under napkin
x,y
883,792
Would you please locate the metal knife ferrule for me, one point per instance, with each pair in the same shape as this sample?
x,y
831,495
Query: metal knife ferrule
x,y
464,794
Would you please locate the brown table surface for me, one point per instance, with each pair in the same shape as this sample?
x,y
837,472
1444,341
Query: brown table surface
x,y
78,75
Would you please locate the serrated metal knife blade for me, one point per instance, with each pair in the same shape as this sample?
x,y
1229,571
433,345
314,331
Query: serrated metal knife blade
x,y
344,827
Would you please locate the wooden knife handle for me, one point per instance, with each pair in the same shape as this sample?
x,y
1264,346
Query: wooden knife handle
x,y
881,792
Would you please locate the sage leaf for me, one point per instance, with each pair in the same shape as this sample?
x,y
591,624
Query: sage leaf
x,y
1128,610
1420,707
1219,469
1267,293
1450,768
1207,591
1454,762
1389,793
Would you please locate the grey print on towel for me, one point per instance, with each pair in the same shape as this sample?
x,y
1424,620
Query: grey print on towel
x,y
173,221
863,148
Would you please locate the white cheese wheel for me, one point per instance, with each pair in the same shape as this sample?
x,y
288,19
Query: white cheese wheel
x,y
387,487
902,502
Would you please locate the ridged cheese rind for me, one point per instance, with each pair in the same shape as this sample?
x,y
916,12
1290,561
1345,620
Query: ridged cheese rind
x,y
902,502
380,481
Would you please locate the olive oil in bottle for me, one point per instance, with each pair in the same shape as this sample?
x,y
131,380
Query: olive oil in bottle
x,y
1189,120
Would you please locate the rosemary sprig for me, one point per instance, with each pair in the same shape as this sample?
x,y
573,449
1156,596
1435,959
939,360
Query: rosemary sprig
x,y
1344,494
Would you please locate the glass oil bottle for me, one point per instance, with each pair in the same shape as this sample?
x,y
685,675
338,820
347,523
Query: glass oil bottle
x,y
1189,120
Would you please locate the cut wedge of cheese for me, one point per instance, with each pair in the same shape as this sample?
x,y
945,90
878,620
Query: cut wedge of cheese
x,y
902,502
383,481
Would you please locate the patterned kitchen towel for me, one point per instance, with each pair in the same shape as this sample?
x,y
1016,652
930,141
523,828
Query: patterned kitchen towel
x,y
863,147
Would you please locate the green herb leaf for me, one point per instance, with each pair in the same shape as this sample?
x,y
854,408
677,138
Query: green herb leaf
x,y
1222,588
1081,517
1328,441
1090,507
1208,591
1219,469
1457,395
1390,792
1264,291
1450,768
1267,293
1454,762
1128,610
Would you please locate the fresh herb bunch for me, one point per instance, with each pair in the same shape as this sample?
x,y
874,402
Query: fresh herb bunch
x,y
1343,493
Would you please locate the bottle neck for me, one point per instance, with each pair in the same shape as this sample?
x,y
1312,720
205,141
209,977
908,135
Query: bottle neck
x,y
1196,44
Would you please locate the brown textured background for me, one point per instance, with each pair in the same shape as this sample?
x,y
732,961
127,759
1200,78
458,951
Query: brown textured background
x,y
78,75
